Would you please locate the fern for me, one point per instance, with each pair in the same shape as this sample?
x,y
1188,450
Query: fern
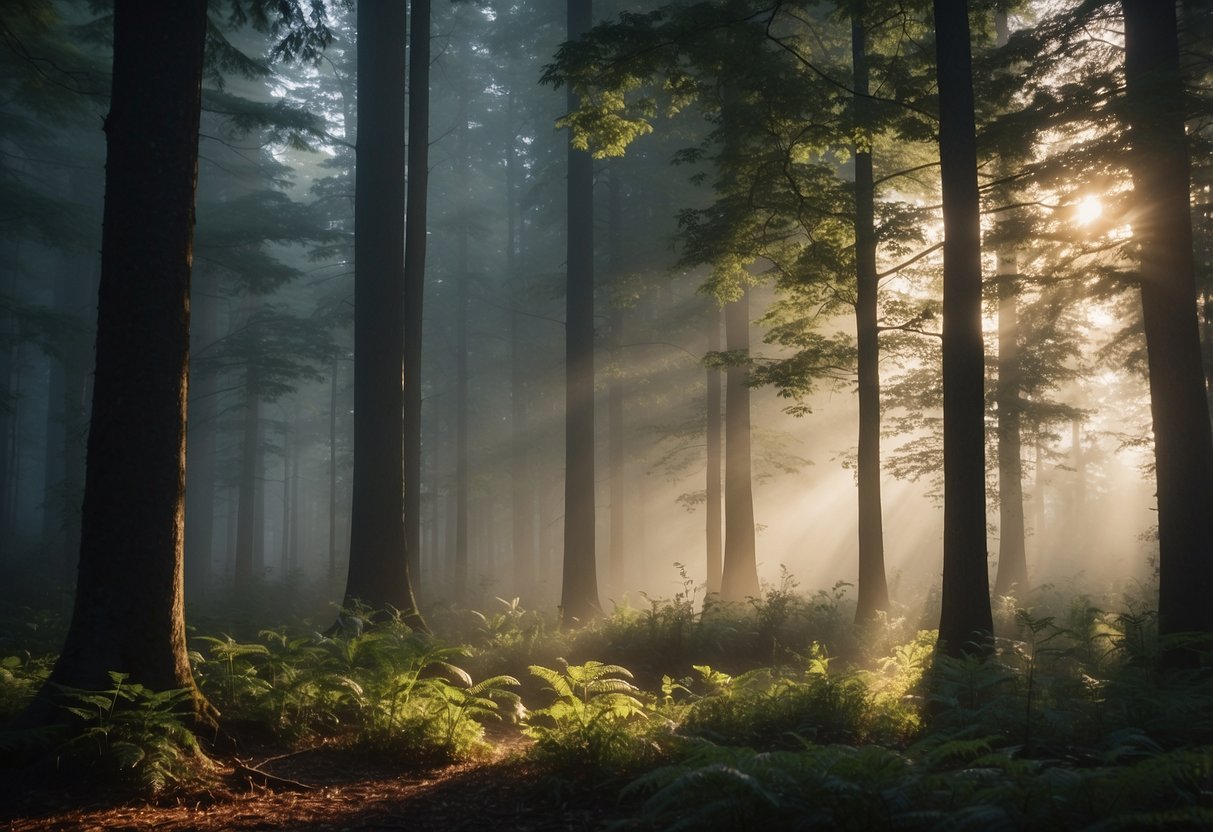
x,y
593,719
138,735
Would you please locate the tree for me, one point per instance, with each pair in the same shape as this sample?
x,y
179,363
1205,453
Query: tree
x,y
128,614
378,569
1162,225
712,491
965,620
872,584
1012,549
579,584
414,273
739,578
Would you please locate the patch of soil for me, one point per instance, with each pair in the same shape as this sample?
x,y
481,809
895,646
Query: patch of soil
x,y
334,789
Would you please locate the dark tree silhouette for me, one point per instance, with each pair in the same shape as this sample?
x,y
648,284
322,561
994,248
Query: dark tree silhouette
x,y
873,589
965,621
417,200
579,586
378,569
128,613
1183,449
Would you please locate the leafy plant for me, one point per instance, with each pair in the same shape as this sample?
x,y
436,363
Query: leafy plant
x,y
138,735
20,678
778,707
593,718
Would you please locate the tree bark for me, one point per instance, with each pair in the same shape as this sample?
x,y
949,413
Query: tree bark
x,y
1183,450
965,622
246,572
1012,578
417,196
712,484
522,494
462,279
615,389
739,580
333,472
128,614
579,586
1012,536
873,589
378,569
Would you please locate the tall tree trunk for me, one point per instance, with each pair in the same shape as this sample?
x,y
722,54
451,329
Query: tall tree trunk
x,y
579,584
378,569
333,473
712,484
247,573
1038,494
1012,575
8,349
414,275
1012,543
739,579
1183,450
615,392
965,622
284,551
522,489
128,614
873,586
462,278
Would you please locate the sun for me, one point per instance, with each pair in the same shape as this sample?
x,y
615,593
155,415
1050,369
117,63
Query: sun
x,y
1088,210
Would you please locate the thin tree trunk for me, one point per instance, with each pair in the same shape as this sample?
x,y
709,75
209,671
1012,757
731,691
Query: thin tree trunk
x,y
247,573
333,473
284,555
462,279
615,389
713,485
1012,575
522,492
579,585
414,275
966,622
873,589
1012,546
739,579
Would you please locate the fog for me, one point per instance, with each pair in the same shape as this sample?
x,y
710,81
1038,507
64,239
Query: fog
x,y
272,301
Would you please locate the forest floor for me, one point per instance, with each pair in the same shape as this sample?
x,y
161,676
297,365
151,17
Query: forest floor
x,y
333,789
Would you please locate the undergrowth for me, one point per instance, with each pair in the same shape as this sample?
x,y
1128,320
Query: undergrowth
x,y
778,711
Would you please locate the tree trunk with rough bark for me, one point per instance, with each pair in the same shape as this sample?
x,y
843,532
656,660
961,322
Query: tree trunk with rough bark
x,y
739,579
129,609
378,569
579,584
1183,449
713,483
417,199
966,623
873,589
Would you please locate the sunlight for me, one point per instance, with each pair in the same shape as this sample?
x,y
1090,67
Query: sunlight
x,y
1088,210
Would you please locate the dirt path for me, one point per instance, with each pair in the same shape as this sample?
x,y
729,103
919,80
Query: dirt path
x,y
339,790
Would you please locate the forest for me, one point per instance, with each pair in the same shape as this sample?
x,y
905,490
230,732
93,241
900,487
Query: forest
x,y
686,414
